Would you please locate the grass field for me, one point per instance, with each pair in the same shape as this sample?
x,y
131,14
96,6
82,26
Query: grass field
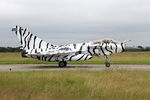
x,y
75,85
78,84
122,58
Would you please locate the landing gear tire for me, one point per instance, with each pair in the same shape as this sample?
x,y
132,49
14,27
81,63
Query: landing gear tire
x,y
107,64
62,64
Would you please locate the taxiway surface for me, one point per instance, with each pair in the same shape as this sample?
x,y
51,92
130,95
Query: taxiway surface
x,y
38,67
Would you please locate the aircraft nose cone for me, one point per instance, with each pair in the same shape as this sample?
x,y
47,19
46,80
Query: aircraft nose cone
x,y
130,48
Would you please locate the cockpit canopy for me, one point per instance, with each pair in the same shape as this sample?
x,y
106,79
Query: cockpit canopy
x,y
105,41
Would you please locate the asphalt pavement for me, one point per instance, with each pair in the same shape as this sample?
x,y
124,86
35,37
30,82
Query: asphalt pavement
x,y
39,67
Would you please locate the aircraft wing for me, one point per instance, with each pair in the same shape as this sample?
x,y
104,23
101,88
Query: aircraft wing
x,y
50,53
60,53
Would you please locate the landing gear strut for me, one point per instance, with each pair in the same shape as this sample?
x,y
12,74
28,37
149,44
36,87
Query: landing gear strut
x,y
107,63
62,64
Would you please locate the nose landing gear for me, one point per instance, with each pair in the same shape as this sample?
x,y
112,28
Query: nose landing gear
x,y
107,62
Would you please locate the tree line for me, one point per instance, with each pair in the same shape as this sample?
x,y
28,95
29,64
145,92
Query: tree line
x,y
17,49
10,49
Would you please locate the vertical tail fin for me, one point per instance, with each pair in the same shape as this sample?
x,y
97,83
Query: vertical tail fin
x,y
29,41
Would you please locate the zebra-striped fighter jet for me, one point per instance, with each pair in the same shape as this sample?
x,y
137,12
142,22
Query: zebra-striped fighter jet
x,y
34,47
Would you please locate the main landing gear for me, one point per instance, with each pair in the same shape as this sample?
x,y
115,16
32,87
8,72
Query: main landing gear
x,y
107,63
62,64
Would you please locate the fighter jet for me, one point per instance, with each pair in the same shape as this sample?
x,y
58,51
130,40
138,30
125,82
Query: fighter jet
x,y
34,47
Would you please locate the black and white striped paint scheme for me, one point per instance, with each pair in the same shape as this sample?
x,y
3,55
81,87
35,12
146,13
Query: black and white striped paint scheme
x,y
34,47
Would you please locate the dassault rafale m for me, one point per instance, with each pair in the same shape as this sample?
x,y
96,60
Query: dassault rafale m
x,y
34,47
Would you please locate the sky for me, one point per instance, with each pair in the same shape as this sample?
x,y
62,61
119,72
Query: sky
x,y
75,21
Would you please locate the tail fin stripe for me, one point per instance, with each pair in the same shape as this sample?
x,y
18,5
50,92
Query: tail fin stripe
x,y
25,40
24,31
20,32
34,42
40,43
29,39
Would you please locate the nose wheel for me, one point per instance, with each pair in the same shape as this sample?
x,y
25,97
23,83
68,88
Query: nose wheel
x,y
62,64
107,63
